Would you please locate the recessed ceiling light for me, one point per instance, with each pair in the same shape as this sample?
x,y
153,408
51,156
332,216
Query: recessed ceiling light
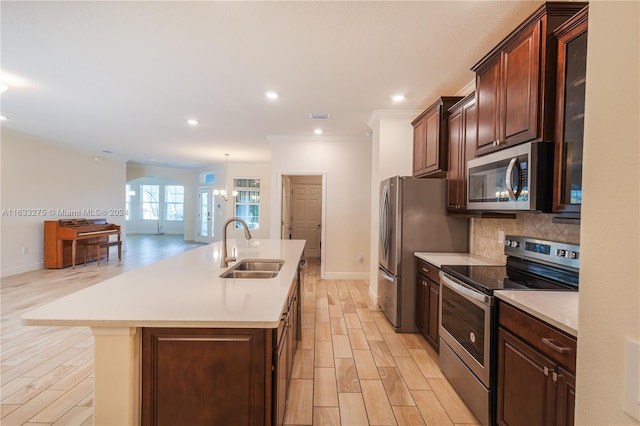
x,y
318,131
192,122
272,95
397,98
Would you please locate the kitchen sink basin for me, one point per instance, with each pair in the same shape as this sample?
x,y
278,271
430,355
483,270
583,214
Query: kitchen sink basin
x,y
259,265
248,274
255,269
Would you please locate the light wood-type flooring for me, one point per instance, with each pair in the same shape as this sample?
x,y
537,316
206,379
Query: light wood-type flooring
x,y
350,369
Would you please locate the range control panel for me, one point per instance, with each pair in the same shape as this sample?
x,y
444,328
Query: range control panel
x,y
547,251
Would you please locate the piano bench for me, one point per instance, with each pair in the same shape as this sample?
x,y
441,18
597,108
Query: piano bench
x,y
98,246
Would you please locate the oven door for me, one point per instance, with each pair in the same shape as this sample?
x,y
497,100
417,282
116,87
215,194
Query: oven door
x,y
466,318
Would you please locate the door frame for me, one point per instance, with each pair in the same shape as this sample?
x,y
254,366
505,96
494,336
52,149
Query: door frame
x,y
323,228
210,200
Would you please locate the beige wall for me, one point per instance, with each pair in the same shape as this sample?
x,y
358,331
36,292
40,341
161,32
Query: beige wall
x,y
38,174
346,169
484,232
610,239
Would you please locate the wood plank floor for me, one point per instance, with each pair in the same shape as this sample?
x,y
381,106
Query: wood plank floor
x,y
351,368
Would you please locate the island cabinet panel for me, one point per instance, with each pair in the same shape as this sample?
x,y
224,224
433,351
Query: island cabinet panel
x,y
516,82
206,376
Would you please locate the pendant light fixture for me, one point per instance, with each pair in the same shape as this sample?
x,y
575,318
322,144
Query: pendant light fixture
x,y
223,193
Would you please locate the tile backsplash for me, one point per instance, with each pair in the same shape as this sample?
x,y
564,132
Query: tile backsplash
x,y
484,232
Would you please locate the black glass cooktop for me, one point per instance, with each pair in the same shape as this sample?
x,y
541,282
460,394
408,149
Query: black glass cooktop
x,y
517,275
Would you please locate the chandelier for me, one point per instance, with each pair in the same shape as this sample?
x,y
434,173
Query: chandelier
x,y
223,193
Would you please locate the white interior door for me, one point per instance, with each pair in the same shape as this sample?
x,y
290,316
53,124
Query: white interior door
x,y
205,215
307,216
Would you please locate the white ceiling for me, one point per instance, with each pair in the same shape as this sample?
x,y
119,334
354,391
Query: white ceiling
x,y
125,76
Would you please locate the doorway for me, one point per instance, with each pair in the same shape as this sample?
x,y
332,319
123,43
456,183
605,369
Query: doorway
x,y
205,215
302,212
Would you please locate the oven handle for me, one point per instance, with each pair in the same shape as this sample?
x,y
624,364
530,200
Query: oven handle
x,y
465,291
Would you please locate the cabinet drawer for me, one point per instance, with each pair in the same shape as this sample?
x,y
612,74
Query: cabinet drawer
x,y
548,340
428,270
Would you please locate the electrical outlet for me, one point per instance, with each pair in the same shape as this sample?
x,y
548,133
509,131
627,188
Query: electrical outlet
x,y
360,258
25,250
501,237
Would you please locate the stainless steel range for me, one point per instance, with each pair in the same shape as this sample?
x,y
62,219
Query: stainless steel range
x,y
468,323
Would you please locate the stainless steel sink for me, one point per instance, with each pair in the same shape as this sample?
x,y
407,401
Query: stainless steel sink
x,y
254,268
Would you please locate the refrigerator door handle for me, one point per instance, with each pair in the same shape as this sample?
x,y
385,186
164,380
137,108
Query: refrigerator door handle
x,y
384,223
386,276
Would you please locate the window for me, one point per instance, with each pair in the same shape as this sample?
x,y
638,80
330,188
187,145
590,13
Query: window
x,y
174,202
127,201
248,202
150,201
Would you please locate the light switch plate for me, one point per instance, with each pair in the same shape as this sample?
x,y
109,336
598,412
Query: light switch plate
x,y
631,403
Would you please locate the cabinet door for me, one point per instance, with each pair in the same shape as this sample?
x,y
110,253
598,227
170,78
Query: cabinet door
x,y
432,143
572,69
456,161
205,376
487,102
526,390
520,93
281,378
566,402
434,305
419,146
421,304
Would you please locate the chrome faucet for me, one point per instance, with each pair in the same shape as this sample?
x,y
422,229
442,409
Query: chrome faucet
x,y
224,259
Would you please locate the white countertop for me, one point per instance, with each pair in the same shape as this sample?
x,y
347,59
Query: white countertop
x,y
558,308
182,291
439,259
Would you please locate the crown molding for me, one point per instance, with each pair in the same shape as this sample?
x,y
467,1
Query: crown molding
x,y
379,114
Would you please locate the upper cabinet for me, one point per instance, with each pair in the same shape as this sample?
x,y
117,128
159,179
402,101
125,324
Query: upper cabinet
x,y
516,83
431,139
462,147
572,70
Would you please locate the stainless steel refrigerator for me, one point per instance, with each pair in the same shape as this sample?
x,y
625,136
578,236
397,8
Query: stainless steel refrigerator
x,y
413,218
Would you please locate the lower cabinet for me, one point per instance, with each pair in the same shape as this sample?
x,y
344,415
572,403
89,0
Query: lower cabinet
x,y
219,376
428,301
536,371
205,376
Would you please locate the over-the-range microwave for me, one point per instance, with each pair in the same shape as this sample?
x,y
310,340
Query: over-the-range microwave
x,y
517,178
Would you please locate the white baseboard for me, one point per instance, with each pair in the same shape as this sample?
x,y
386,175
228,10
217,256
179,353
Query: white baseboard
x,y
22,269
346,276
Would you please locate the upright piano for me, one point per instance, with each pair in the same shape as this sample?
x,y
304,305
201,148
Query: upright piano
x,y
61,239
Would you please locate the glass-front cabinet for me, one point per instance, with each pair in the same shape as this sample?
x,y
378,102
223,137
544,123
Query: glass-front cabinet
x,y
572,67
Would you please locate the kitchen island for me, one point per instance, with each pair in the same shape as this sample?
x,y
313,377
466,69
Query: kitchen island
x,y
181,293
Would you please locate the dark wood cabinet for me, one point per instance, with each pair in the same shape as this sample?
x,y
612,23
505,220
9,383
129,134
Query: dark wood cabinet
x,y
572,70
516,82
536,371
430,139
462,147
219,375
205,376
428,301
